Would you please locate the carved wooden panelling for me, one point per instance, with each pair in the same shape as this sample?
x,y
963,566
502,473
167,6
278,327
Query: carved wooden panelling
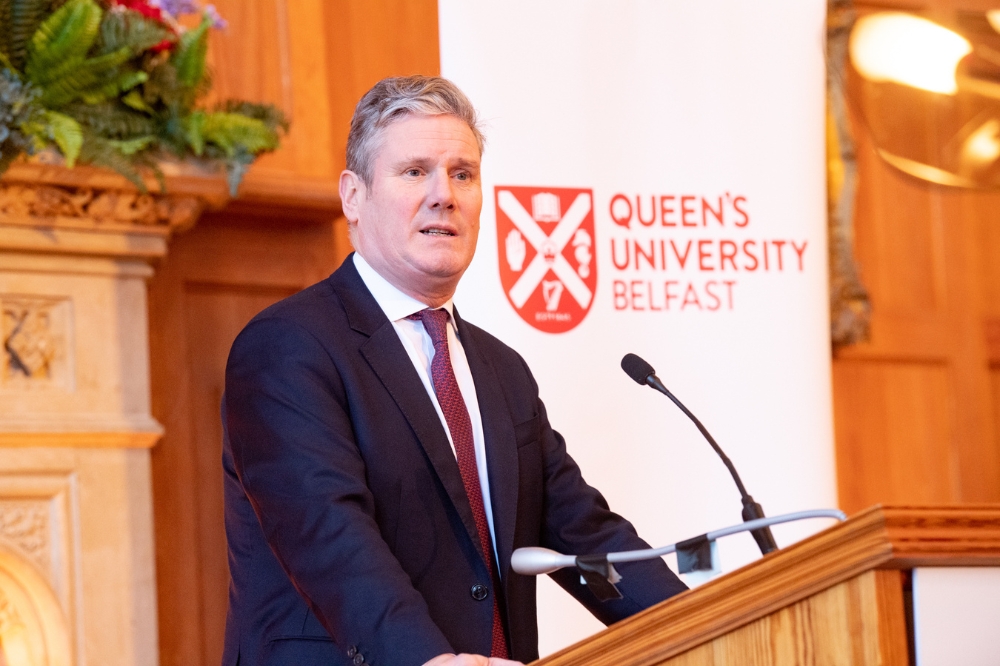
x,y
36,334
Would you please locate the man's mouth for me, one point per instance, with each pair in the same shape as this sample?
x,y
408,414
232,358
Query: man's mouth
x,y
436,232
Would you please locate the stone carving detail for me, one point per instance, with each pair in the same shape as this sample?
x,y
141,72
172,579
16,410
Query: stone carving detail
x,y
62,204
34,339
26,524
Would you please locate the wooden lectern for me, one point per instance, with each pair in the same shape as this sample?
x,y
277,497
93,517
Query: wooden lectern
x,y
841,596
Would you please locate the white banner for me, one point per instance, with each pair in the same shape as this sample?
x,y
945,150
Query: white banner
x,y
654,183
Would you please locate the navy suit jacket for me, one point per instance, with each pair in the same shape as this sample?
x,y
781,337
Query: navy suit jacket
x,y
348,525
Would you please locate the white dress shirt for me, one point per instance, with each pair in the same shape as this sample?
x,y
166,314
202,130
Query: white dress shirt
x,y
397,306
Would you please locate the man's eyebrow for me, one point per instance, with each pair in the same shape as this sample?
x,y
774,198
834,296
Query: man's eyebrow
x,y
411,159
468,164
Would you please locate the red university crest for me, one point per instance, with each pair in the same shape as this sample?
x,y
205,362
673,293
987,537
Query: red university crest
x,y
546,240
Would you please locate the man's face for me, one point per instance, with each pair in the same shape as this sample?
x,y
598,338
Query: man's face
x,y
418,221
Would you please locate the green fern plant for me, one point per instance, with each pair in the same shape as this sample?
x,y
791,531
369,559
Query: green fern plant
x,y
19,21
115,85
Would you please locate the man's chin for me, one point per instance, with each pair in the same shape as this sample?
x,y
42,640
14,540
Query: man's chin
x,y
443,267
439,281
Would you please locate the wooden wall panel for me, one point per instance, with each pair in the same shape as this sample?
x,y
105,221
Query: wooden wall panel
x,y
918,398
989,245
369,40
250,58
275,51
214,314
989,248
893,434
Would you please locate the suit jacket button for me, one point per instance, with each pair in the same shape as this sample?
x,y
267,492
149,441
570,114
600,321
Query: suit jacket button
x,y
479,592
359,659
351,651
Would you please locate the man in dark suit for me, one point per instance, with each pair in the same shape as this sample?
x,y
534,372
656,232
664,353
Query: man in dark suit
x,y
384,457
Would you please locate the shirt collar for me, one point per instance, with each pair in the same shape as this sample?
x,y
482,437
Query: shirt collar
x,y
394,303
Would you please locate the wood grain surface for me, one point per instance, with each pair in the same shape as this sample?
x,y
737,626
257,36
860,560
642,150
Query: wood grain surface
x,y
859,621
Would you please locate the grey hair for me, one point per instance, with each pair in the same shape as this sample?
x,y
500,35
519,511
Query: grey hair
x,y
392,98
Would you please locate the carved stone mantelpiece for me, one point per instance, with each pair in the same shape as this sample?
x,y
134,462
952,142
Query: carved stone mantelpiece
x,y
77,581
47,208
79,207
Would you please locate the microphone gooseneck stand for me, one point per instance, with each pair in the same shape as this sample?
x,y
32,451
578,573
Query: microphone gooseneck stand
x,y
642,373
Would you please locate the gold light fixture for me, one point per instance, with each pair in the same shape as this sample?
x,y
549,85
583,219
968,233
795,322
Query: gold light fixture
x,y
907,49
929,93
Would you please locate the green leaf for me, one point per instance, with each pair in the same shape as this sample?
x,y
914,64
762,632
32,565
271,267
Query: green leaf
x,y
112,120
131,79
189,56
133,146
272,116
133,99
112,89
37,129
88,78
67,134
133,30
61,42
163,86
233,131
19,19
101,152
194,132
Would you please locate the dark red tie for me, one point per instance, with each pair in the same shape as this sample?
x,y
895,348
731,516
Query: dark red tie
x,y
460,425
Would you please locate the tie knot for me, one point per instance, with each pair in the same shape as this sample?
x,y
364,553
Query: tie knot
x,y
435,323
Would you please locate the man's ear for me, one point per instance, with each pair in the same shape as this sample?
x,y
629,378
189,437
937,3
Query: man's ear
x,y
352,189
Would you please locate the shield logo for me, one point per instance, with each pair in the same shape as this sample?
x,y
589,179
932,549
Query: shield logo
x,y
546,240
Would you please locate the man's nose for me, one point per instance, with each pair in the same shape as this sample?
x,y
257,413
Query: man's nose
x,y
442,194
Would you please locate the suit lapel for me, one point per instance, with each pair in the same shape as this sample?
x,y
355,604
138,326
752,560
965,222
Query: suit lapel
x,y
501,447
392,365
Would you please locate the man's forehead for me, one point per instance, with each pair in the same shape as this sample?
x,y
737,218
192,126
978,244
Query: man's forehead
x,y
402,129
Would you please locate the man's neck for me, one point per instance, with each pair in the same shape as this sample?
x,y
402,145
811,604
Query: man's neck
x,y
432,299
395,302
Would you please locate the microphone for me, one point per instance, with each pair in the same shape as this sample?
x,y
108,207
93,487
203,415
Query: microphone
x,y
642,373
535,560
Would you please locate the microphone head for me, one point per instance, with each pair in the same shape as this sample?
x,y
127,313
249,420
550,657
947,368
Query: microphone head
x,y
534,561
636,368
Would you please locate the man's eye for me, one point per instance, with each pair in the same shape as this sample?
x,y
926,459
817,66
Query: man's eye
x,y
413,172
463,176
